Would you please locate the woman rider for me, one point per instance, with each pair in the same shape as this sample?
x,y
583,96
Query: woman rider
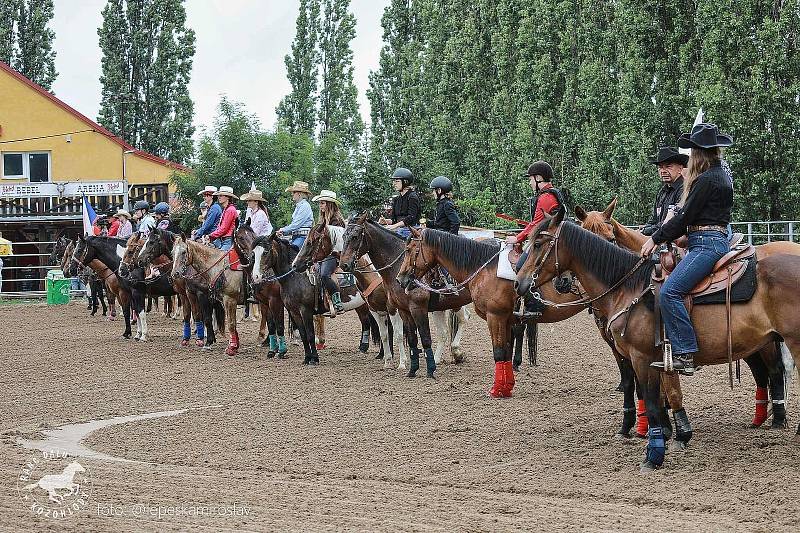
x,y
446,217
302,217
406,206
331,215
222,237
704,214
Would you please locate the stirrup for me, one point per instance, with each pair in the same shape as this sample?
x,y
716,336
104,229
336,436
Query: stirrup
x,y
681,365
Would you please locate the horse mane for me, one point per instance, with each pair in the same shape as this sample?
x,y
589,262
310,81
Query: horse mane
x,y
384,230
462,251
605,260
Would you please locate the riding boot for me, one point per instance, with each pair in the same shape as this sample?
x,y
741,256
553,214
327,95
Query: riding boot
x,y
430,363
532,308
682,364
273,346
412,371
336,300
282,349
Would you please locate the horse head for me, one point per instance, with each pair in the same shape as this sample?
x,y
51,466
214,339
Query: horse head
x,y
411,268
243,238
180,256
130,254
542,264
316,247
263,257
355,244
84,252
599,222
154,246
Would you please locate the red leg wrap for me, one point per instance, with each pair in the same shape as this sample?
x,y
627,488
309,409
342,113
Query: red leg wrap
x,y
641,419
501,389
509,375
761,406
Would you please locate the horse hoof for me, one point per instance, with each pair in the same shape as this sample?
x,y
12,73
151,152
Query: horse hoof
x,y
313,362
430,375
200,343
619,388
270,354
619,435
678,445
641,435
363,348
282,355
411,374
185,343
780,425
126,336
646,467
379,356
231,352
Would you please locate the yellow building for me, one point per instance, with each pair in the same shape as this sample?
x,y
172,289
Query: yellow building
x,y
51,155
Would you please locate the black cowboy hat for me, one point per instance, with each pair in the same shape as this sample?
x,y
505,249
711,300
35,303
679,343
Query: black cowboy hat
x,y
705,135
668,154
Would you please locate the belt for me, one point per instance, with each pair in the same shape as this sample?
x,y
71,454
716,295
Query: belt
x,y
301,232
721,229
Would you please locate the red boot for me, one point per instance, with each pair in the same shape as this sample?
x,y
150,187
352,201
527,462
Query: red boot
x,y
499,389
761,407
641,420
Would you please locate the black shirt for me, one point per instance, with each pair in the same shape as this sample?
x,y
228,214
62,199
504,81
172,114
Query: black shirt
x,y
446,217
709,203
668,195
406,207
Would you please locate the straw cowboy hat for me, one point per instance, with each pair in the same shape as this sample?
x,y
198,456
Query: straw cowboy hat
x,y
226,191
208,189
298,186
325,196
122,213
255,195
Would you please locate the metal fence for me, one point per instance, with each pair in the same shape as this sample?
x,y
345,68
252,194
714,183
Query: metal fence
x,y
763,232
27,280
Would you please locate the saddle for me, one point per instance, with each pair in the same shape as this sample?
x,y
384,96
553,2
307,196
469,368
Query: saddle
x,y
507,262
233,259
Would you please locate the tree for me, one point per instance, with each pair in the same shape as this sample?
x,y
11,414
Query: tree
x,y
26,41
146,69
297,110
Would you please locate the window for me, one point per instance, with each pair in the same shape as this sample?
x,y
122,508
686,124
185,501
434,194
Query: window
x,y
33,166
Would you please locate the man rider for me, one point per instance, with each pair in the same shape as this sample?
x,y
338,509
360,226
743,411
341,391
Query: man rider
x,y
670,165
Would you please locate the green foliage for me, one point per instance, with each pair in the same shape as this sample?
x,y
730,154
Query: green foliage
x,y
26,41
146,68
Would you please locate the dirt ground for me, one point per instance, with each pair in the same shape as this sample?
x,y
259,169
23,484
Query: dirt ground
x,y
351,446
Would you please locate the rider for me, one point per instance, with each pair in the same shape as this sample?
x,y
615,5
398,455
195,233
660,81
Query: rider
x,y
163,221
406,206
446,217
547,200
257,213
222,236
704,214
331,215
144,221
124,228
302,217
670,165
213,213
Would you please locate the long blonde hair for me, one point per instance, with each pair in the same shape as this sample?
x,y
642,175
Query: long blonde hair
x,y
700,161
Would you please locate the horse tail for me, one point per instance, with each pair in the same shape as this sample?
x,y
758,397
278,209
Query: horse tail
x,y
788,367
219,314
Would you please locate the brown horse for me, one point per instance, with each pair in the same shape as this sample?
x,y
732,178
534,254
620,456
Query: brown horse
x,y
770,367
213,268
318,246
617,283
386,249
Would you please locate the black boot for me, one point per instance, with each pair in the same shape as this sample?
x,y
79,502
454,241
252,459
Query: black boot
x,y
682,364
532,309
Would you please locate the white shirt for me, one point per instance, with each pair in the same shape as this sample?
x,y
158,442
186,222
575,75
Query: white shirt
x,y
337,238
259,221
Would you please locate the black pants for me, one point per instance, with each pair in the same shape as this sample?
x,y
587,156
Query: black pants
x,y
326,269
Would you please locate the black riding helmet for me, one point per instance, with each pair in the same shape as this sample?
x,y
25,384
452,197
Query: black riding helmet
x,y
404,174
141,204
441,182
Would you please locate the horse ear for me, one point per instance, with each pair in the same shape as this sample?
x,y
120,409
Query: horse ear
x,y
247,222
556,219
416,233
580,213
610,209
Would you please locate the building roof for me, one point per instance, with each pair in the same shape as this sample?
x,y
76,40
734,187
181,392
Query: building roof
x,y
91,123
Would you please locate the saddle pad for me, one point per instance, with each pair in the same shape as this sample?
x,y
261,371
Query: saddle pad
x,y
233,258
504,268
742,290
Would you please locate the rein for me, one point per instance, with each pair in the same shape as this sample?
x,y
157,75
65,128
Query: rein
x,y
198,274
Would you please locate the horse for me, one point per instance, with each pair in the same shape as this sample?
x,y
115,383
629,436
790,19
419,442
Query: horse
x,y
62,256
771,366
617,282
268,295
318,245
298,293
100,254
160,243
213,269
144,286
386,248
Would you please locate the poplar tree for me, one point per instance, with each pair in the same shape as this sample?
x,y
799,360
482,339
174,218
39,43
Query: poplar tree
x,y
26,40
146,69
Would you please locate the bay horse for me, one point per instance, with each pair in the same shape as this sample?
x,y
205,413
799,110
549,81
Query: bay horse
x,y
298,293
213,269
317,246
100,254
62,256
386,248
617,281
160,243
772,367
267,293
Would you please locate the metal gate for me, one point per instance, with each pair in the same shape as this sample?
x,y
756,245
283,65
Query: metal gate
x,y
27,281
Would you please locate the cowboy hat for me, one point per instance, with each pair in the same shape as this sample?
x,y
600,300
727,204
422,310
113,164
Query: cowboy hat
x,y
210,189
705,135
226,191
253,194
122,212
668,154
298,186
326,196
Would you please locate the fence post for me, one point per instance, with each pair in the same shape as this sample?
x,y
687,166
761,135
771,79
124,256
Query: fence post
x,y
791,231
749,233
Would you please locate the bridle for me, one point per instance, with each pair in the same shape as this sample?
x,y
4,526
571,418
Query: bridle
x,y
553,240
351,264
415,254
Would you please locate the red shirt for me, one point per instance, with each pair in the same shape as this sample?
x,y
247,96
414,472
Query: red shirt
x,y
545,203
226,223
114,228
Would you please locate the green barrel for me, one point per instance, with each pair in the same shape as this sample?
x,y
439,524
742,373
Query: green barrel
x,y
57,288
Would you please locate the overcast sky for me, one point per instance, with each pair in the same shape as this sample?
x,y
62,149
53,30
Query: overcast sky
x,y
240,50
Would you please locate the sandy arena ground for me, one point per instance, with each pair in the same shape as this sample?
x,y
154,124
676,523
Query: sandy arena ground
x,y
351,446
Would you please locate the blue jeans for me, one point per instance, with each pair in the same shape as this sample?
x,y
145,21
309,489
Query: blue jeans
x,y
404,232
298,241
223,243
705,249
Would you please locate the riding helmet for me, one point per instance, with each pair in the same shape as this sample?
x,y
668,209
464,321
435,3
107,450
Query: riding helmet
x,y
540,168
141,204
162,208
441,182
404,174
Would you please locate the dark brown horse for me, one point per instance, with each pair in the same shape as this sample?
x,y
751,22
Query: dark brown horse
x,y
616,282
771,366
